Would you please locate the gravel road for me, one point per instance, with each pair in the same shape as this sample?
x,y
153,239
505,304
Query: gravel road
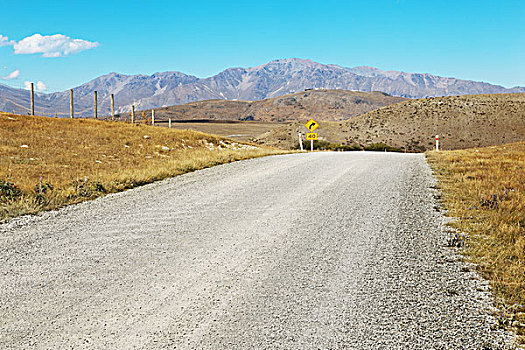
x,y
304,251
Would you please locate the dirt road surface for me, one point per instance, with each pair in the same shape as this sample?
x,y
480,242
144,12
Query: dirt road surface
x,y
303,251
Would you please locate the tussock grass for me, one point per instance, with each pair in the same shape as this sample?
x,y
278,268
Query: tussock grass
x,y
46,163
484,189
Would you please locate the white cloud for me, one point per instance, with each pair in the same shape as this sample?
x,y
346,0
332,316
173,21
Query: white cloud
x,y
12,75
52,45
40,86
4,41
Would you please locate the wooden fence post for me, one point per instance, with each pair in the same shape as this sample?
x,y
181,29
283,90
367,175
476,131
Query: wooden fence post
x,y
112,107
71,110
32,99
152,117
96,106
132,114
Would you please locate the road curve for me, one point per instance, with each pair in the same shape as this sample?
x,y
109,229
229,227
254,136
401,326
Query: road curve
x,y
303,251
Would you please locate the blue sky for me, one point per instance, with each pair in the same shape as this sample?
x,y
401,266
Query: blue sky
x,y
477,40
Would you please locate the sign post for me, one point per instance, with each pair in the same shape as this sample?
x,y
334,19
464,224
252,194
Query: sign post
x,y
311,125
311,136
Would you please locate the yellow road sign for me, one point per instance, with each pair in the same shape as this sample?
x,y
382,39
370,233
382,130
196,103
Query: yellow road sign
x,y
311,136
311,125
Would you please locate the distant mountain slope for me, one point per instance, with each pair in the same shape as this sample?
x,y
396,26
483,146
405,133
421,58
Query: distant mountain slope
x,y
461,121
273,79
319,104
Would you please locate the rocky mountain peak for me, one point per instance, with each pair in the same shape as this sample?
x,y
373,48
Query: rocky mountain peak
x,y
275,78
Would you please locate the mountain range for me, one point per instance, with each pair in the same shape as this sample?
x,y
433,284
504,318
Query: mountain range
x,y
273,79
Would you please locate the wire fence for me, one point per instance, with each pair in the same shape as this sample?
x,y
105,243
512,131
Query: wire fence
x,y
28,100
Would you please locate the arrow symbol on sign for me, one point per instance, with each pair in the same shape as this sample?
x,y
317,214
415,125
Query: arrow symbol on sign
x,y
311,126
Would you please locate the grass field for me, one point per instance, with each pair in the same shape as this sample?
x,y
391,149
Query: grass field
x,y
242,131
484,190
47,163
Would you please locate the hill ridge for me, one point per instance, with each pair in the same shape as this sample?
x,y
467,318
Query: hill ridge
x,y
461,122
333,105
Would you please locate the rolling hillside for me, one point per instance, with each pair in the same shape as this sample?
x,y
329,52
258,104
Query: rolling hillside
x,y
461,121
47,163
332,105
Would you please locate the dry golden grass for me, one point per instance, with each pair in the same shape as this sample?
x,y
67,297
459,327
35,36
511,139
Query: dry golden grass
x,y
242,131
494,228
83,159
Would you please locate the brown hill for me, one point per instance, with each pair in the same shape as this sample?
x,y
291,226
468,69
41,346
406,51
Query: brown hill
x,y
461,121
332,105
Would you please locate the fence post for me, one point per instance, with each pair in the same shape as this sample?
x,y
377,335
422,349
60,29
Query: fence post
x,y
32,99
96,106
71,110
132,114
112,107
169,123
152,117
301,141
437,143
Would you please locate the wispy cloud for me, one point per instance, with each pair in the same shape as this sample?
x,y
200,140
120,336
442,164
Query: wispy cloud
x,y
52,45
40,86
12,75
4,41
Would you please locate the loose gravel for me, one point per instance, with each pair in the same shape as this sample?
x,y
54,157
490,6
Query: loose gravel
x,y
303,251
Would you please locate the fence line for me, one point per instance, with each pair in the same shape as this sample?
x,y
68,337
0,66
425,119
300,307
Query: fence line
x,y
33,108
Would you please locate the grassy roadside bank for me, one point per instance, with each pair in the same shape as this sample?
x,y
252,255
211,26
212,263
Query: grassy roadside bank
x,y
47,163
484,190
